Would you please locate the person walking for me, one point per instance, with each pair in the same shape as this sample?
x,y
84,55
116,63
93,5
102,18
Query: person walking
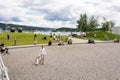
x,y
8,36
42,55
35,37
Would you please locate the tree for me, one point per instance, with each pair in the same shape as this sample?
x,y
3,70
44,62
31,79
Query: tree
x,y
93,23
107,25
112,24
82,23
85,24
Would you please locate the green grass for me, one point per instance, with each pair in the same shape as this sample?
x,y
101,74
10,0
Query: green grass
x,y
24,39
28,38
100,35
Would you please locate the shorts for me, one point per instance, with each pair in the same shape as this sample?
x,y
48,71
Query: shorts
x,y
42,56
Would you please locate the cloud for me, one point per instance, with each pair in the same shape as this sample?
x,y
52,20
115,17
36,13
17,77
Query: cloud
x,y
57,13
3,19
16,19
61,15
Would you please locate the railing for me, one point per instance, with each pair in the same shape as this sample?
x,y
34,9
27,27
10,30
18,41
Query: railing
x,y
3,70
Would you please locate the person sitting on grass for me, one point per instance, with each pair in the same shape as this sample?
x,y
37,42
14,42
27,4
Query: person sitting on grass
x,y
49,43
70,41
116,40
3,49
60,42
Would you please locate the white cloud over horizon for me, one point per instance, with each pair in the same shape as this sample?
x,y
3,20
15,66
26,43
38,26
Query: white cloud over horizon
x,y
57,13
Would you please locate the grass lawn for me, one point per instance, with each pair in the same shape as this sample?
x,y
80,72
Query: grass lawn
x,y
100,35
25,38
28,38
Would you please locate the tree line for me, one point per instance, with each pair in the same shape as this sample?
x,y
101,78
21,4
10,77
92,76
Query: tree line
x,y
5,26
86,24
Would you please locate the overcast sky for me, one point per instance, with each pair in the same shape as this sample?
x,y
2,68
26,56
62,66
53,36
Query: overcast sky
x,y
57,13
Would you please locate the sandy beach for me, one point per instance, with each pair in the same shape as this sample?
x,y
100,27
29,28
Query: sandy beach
x,y
69,62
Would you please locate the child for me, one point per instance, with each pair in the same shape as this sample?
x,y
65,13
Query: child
x,y
42,55
37,60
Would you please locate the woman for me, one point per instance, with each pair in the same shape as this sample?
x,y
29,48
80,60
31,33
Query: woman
x,y
42,55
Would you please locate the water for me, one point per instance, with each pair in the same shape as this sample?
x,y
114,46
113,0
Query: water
x,y
56,33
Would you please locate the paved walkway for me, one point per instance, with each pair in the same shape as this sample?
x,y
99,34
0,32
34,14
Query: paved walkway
x,y
69,62
74,40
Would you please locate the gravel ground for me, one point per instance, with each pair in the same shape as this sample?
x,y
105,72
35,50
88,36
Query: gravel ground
x,y
69,62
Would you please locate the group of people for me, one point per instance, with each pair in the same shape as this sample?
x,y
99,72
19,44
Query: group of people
x,y
116,40
54,36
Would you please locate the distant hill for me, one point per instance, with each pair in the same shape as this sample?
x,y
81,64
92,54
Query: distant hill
x,y
4,26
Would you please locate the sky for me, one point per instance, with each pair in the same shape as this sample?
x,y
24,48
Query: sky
x,y
57,13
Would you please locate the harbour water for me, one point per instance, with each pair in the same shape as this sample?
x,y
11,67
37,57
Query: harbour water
x,y
57,33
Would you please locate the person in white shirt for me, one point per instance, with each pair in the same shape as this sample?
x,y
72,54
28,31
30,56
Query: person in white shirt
x,y
42,55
